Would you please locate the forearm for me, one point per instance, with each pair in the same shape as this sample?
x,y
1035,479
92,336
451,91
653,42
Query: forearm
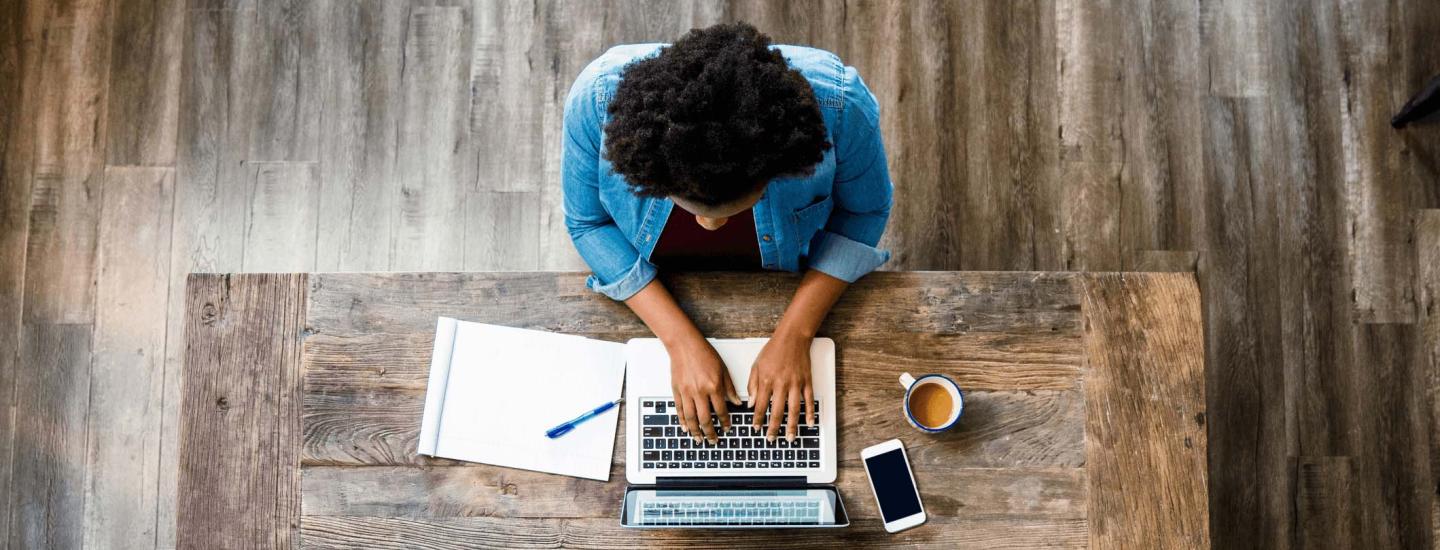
x,y
657,308
813,299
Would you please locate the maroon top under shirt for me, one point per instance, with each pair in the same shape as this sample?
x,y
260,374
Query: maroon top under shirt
x,y
686,246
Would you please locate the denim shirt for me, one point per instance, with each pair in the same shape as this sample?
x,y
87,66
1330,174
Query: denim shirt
x,y
830,221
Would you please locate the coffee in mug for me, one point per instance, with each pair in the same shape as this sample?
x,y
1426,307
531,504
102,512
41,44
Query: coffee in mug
x,y
933,402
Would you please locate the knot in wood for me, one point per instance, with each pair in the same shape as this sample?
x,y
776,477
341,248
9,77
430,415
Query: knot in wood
x,y
208,314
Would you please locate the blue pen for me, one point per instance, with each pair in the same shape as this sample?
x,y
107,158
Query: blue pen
x,y
566,427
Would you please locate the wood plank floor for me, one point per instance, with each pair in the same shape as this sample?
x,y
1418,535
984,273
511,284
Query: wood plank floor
x,y
1248,141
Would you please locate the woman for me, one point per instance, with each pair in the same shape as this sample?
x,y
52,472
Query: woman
x,y
723,152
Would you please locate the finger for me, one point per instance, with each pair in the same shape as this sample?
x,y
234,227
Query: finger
x,y
792,419
810,406
679,409
707,424
687,418
721,411
730,394
777,409
759,400
751,387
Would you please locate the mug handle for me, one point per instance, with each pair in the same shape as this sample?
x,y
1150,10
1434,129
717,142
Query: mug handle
x,y
906,380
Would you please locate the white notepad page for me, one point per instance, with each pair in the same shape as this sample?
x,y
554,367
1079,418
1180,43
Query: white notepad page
x,y
496,390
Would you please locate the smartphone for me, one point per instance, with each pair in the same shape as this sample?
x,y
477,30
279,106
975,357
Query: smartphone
x,y
888,467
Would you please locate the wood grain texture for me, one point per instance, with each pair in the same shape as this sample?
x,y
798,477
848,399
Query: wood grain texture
x,y
18,61
1040,303
361,46
46,503
501,233
282,225
1386,177
1239,265
282,89
443,533
434,149
1427,248
1130,158
144,87
1146,453
1325,516
1392,465
474,490
68,165
127,371
240,433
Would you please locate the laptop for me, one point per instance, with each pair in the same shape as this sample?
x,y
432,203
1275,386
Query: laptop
x,y
741,481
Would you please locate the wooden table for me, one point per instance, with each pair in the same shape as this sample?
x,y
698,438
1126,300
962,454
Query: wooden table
x,y
1084,422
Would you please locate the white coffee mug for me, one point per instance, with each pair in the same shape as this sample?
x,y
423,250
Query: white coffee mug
x,y
957,400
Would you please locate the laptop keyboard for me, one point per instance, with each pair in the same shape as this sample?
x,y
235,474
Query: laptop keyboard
x,y
711,511
664,445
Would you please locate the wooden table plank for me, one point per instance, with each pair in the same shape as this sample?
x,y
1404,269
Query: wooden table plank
x,y
321,532
882,303
477,490
1145,411
240,426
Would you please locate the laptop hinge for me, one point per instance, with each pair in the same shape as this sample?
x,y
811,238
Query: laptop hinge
x,y
706,482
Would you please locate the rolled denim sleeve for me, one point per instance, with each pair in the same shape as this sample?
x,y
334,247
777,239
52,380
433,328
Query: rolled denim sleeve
x,y
618,270
847,248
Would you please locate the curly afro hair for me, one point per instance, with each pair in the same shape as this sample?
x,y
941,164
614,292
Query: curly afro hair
x,y
713,117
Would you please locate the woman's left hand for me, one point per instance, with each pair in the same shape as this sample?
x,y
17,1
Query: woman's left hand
x,y
781,376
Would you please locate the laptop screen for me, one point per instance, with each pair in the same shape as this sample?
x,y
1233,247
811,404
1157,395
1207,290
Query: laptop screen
x,y
733,508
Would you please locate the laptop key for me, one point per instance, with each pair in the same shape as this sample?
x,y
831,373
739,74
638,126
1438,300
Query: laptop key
x,y
649,464
814,464
711,465
810,442
649,443
659,407
815,454
674,420
764,465
669,431
650,455
789,464
654,420
809,431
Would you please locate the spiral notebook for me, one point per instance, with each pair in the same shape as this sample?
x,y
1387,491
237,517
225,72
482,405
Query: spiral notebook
x,y
495,390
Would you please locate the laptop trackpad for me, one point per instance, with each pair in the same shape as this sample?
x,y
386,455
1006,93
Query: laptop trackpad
x,y
769,508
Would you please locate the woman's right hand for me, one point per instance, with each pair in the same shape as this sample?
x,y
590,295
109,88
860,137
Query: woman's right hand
x,y
701,385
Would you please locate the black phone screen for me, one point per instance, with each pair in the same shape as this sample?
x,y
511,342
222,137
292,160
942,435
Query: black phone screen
x,y
890,476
